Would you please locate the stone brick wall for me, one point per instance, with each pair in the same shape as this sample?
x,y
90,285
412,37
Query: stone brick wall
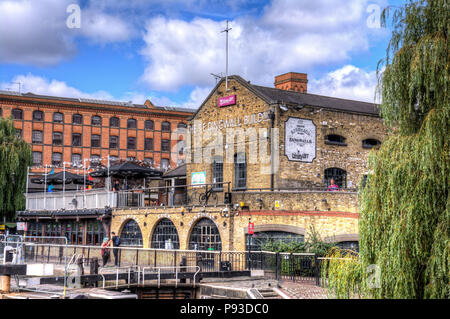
x,y
337,216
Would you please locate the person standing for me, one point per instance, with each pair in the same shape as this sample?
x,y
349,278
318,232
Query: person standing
x,y
333,186
105,250
116,243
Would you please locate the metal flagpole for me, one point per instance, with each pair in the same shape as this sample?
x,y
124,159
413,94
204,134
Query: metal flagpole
x,y
64,179
84,183
226,68
45,187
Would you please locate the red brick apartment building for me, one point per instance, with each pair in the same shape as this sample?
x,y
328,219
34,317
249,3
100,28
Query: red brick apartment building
x,y
70,130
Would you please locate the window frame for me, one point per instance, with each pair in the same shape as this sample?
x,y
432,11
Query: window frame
x,y
54,141
134,143
77,115
38,119
54,120
99,140
94,120
112,121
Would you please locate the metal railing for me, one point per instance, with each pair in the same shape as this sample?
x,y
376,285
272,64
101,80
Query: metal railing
x,y
301,267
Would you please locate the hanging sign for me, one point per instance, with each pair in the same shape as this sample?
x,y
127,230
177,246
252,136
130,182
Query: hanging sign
x,y
251,228
227,100
300,140
22,226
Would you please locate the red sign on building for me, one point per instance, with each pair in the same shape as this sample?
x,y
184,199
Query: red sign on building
x,y
251,228
227,100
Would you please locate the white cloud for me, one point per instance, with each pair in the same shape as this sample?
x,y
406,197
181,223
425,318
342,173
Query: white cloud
x,y
348,82
40,85
35,32
289,36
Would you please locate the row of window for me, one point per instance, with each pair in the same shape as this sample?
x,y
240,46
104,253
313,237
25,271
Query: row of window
x,y
96,120
37,138
339,140
94,159
240,173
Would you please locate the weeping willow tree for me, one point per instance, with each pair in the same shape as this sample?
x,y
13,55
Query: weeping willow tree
x,y
15,157
404,224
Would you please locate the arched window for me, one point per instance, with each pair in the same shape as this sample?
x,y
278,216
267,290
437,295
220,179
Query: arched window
x,y
205,236
17,114
370,143
339,176
181,125
259,240
240,171
96,120
165,235
38,116
148,125
77,119
165,126
334,139
131,123
58,117
114,122
131,234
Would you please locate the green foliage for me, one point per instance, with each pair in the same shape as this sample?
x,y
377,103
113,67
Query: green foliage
x,y
314,244
15,157
404,224
345,275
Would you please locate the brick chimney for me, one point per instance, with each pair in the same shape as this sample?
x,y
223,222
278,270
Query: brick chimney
x,y
292,81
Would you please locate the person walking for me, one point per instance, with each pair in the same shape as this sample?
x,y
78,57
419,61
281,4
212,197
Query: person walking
x,y
105,250
116,243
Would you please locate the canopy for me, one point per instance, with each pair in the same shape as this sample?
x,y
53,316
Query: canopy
x,y
58,178
126,170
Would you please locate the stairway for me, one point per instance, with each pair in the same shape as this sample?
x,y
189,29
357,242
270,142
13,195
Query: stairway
x,y
269,293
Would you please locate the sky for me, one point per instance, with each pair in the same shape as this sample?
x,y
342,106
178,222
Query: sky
x,y
165,51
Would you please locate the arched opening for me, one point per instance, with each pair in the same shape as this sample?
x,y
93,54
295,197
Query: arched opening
x,y
334,139
205,236
370,143
114,122
131,234
339,176
131,123
350,245
262,240
38,116
165,235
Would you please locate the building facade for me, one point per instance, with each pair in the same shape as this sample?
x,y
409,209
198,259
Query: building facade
x,y
266,156
83,132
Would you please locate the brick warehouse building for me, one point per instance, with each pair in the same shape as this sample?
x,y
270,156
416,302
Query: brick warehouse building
x,y
274,170
71,130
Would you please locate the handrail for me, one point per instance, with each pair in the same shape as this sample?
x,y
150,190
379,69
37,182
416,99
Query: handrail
x,y
169,267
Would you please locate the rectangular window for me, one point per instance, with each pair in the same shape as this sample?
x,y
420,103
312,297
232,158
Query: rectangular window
x,y
57,138
131,143
36,137
76,159
95,141
164,163
113,142
76,139
37,158
148,160
240,170
218,172
148,144
56,158
165,146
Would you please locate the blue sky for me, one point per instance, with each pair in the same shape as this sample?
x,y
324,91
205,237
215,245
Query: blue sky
x,y
165,50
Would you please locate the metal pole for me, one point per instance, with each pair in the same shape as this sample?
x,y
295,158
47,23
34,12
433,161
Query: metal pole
x,y
45,187
64,180
84,182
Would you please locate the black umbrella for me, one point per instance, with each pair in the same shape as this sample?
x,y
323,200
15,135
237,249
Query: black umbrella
x,y
126,170
62,178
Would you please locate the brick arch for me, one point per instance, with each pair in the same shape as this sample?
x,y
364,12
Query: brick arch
x,y
154,227
277,227
123,223
341,238
197,220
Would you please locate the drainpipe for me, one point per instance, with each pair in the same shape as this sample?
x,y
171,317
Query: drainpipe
x,y
272,125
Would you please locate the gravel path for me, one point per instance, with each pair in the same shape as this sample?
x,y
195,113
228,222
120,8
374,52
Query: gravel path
x,y
303,290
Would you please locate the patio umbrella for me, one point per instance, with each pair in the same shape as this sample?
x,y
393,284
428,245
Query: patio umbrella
x,y
58,178
126,170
